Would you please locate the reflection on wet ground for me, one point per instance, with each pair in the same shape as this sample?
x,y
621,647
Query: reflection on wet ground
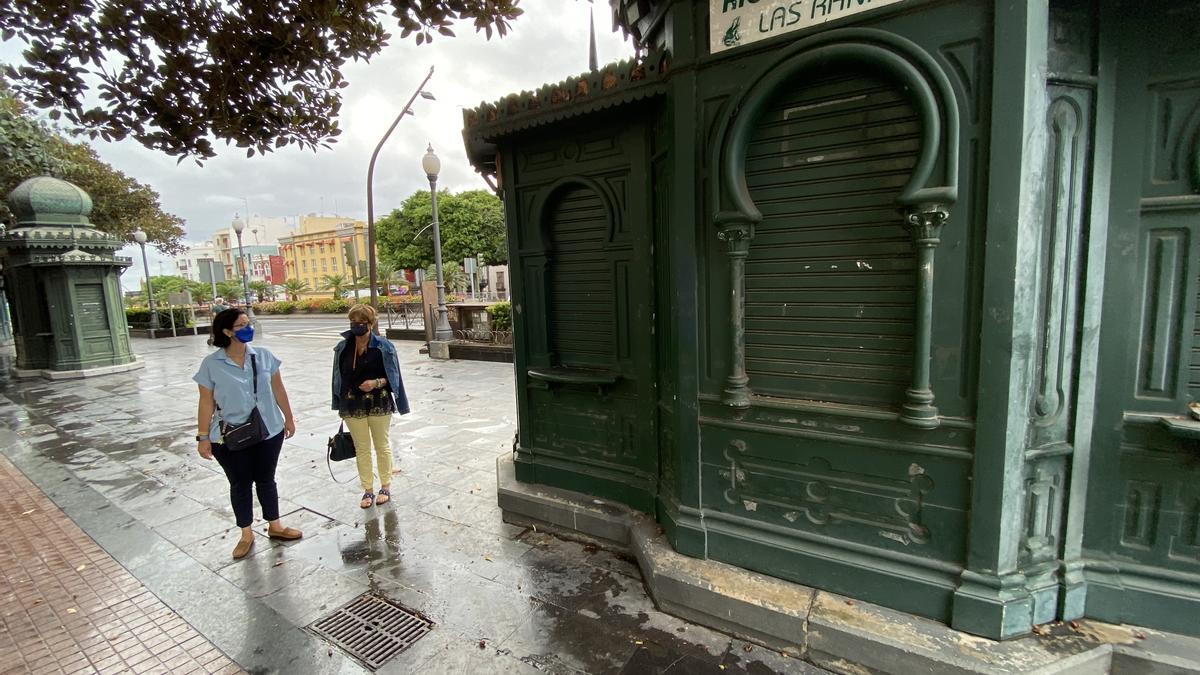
x,y
505,599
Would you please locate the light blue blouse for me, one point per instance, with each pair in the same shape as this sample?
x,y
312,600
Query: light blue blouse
x,y
232,390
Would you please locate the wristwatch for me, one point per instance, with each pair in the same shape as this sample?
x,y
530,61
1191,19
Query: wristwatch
x,y
201,437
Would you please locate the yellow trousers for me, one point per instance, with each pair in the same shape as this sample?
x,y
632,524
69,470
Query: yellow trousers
x,y
363,430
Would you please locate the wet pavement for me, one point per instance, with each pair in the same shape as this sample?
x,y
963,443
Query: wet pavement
x,y
116,454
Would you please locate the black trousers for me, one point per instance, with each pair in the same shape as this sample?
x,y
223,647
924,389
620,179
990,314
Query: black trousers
x,y
255,466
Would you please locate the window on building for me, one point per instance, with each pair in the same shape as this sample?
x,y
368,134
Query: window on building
x,y
304,266
500,282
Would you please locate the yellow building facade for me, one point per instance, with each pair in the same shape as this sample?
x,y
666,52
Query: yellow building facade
x,y
325,246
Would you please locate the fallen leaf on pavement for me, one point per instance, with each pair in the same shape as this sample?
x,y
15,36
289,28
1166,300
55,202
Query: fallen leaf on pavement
x,y
71,610
277,564
81,568
25,513
487,558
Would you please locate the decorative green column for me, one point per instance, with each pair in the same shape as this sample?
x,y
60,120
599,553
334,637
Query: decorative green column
x,y
994,598
63,281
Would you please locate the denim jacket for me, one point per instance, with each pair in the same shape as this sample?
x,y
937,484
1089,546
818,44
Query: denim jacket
x,y
391,366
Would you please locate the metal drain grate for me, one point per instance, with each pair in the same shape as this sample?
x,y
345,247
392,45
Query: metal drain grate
x,y
372,629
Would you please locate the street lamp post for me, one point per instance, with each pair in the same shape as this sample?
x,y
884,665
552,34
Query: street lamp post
x,y
371,174
432,165
238,226
140,237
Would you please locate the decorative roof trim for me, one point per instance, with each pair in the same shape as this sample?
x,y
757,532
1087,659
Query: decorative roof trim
x,y
612,85
77,257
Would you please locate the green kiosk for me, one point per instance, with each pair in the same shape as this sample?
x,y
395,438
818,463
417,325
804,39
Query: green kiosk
x,y
63,282
895,299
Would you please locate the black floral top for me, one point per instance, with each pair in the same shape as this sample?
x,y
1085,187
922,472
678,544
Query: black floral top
x,y
356,369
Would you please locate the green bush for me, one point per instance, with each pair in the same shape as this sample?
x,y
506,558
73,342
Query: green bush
x,y
335,306
312,305
284,307
264,308
501,315
139,317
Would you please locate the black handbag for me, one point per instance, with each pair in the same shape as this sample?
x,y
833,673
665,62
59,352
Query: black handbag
x,y
251,432
341,444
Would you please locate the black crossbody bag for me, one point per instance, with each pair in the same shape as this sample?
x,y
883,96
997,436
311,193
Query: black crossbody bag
x,y
253,430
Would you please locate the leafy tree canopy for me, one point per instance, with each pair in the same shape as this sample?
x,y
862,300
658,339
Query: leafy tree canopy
x,y
178,74
121,204
470,223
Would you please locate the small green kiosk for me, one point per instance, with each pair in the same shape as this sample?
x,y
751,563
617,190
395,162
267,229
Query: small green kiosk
x,y
891,298
63,282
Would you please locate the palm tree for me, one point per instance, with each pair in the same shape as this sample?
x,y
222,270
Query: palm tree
x,y
200,292
294,287
261,289
230,289
384,273
337,283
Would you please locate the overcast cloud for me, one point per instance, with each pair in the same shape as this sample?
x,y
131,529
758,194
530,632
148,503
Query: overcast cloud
x,y
547,44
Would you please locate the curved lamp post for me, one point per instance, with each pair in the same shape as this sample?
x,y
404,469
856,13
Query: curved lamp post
x,y
432,165
238,226
140,237
371,174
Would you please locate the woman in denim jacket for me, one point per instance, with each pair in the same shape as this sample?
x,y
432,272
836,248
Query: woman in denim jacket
x,y
367,391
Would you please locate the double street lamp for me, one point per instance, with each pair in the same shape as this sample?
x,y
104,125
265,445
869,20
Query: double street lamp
x,y
140,237
432,165
371,174
238,226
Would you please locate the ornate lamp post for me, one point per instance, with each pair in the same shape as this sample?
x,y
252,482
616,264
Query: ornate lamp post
x,y
238,226
432,165
371,174
140,237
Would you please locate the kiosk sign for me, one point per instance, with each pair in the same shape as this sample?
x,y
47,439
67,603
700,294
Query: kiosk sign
x,y
733,23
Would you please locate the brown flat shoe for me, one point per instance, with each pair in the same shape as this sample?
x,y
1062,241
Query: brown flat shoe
x,y
286,534
243,547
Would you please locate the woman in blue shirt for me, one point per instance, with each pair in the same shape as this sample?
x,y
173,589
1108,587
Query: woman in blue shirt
x,y
229,388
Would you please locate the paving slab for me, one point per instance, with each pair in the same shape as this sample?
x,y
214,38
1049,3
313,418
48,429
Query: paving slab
x,y
126,472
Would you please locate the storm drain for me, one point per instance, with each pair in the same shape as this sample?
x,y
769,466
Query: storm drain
x,y
372,629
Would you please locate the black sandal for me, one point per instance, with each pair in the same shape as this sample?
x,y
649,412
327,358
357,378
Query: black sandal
x,y
383,492
367,501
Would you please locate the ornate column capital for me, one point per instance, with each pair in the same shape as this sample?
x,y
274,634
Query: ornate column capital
x,y
925,222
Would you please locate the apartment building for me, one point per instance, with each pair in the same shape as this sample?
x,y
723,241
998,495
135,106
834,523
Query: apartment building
x,y
325,246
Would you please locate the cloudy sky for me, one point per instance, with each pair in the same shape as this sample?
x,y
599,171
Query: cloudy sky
x,y
547,44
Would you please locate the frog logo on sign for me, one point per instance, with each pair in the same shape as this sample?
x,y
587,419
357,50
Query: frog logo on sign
x,y
733,23
732,36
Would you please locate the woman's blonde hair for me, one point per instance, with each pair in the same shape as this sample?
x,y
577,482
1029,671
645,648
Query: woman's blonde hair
x,y
363,314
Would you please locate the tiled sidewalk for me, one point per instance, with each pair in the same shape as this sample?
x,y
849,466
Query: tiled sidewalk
x,y
67,606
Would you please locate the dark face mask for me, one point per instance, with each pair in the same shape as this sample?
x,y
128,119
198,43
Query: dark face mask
x,y
359,328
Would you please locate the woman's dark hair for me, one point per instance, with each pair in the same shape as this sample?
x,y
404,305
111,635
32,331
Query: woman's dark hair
x,y
222,321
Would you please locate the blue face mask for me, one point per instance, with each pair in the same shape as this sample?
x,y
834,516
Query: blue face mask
x,y
244,334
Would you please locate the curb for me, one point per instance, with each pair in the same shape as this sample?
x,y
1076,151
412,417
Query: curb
x,y
829,630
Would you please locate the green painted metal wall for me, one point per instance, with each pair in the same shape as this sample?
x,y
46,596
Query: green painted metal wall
x,y
900,307
1141,542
